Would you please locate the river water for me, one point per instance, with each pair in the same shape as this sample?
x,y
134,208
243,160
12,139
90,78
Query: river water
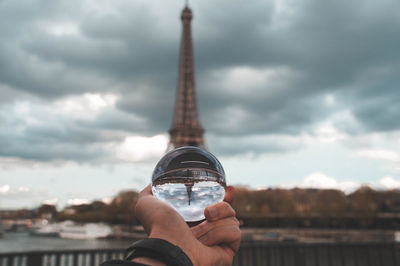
x,y
23,241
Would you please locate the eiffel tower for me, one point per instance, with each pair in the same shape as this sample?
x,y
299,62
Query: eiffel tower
x,y
186,129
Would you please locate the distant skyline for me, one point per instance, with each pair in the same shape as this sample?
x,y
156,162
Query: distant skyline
x,y
290,93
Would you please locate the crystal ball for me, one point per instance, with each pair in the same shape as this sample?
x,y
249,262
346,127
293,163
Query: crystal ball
x,y
189,179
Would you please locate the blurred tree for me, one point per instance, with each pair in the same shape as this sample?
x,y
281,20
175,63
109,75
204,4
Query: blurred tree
x,y
268,207
363,205
287,206
241,201
47,211
329,202
122,208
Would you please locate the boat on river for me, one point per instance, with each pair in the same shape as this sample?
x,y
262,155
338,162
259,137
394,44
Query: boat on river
x,y
71,230
46,230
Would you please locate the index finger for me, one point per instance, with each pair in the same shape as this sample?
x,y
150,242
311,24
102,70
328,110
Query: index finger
x,y
218,211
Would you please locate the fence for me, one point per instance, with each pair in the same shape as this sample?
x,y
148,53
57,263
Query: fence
x,y
250,253
321,254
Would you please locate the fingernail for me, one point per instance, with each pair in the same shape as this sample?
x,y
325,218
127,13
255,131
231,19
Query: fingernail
x,y
213,212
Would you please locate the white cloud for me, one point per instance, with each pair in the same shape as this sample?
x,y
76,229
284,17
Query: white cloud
x,y
50,201
22,192
329,99
319,180
251,82
327,133
106,200
15,196
14,162
247,77
236,145
85,106
62,28
379,154
78,201
138,148
389,182
4,189
283,13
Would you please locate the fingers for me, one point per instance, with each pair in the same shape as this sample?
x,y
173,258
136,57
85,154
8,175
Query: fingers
x,y
146,191
206,226
220,228
229,236
225,231
219,211
229,194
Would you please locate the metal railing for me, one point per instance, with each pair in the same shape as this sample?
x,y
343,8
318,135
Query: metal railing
x,y
61,258
318,254
250,253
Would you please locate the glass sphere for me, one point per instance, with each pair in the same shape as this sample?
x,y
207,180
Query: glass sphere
x,y
189,179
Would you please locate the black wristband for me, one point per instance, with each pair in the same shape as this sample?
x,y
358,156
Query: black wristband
x,y
159,249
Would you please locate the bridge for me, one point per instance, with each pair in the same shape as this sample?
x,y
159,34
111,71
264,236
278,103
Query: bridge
x,y
251,253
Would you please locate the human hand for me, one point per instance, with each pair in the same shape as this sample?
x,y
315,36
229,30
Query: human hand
x,y
160,220
221,226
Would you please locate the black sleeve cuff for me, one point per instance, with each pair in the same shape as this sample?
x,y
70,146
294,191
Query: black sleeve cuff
x,y
159,249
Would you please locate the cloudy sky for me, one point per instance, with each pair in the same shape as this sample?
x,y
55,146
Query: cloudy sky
x,y
291,93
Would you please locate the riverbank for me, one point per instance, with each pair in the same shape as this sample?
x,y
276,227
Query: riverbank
x,y
23,242
320,235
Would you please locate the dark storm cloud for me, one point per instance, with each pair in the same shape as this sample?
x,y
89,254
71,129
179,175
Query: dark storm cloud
x,y
36,148
54,141
122,48
332,45
378,104
253,144
345,49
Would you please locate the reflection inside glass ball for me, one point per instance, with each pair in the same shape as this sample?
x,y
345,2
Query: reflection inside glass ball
x,y
189,179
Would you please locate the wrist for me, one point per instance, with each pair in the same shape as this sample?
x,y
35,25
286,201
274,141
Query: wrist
x,y
157,251
183,242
